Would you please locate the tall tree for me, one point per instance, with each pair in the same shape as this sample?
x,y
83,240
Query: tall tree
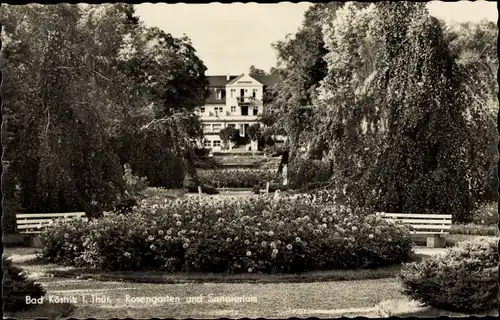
x,y
168,72
396,100
55,136
254,71
301,68
93,83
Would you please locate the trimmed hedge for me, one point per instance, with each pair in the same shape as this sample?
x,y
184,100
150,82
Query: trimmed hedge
x,y
236,178
304,172
465,279
230,235
16,286
474,229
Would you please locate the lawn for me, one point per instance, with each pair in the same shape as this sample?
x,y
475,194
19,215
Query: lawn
x,y
264,300
27,259
367,297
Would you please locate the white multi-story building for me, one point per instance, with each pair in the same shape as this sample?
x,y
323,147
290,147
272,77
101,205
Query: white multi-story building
x,y
234,101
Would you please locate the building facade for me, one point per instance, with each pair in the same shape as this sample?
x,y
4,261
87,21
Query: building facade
x,y
234,101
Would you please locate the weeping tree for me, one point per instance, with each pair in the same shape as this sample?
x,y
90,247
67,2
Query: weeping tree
x,y
54,134
397,102
77,94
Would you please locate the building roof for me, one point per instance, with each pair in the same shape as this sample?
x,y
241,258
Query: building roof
x,y
221,81
267,80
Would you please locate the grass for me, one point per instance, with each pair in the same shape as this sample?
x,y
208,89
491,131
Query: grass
x,y
355,297
409,308
161,277
29,261
269,300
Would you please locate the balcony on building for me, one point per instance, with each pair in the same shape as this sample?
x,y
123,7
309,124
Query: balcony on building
x,y
246,100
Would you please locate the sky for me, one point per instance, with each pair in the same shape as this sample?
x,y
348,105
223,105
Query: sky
x,y
231,37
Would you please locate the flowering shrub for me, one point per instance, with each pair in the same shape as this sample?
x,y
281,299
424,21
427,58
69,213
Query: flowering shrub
x,y
464,279
233,235
236,178
63,241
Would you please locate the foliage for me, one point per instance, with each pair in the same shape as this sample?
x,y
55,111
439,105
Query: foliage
x,y
236,178
254,132
10,201
233,235
267,119
474,229
304,172
54,135
411,152
254,71
205,162
229,134
486,214
17,286
64,242
134,185
302,67
98,89
465,279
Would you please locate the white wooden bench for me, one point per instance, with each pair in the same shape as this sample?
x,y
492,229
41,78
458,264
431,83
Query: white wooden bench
x,y
435,226
32,224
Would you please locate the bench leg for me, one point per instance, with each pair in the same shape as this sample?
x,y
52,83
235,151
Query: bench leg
x,y
436,241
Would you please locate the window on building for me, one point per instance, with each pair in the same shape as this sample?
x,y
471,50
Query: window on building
x,y
232,92
255,111
206,128
221,109
216,127
207,144
216,143
202,109
233,108
218,93
254,93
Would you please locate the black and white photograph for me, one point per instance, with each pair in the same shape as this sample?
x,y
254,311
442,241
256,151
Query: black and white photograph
x,y
250,160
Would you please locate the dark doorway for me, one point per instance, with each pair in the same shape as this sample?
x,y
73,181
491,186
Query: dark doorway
x,y
244,110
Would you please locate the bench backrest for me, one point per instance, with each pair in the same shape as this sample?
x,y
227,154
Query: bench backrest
x,y
423,223
35,222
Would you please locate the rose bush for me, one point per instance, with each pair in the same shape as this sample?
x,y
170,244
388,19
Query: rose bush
x,y
232,235
465,279
63,241
236,178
